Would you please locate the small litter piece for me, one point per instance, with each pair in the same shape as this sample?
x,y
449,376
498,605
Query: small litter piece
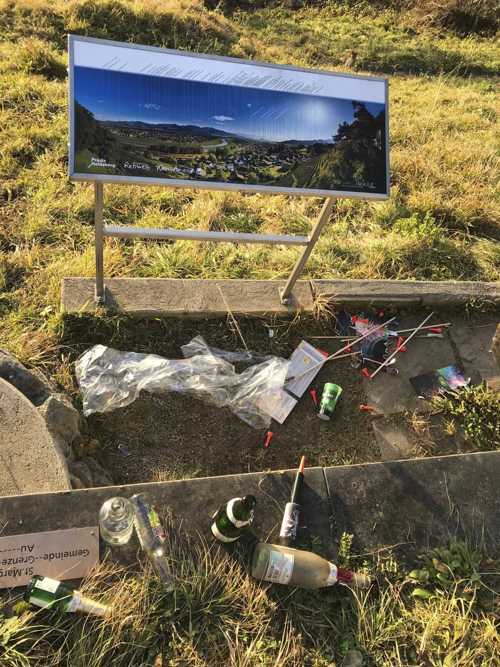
x,y
448,378
110,379
267,441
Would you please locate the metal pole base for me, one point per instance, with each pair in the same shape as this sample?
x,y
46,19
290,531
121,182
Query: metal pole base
x,y
285,300
99,299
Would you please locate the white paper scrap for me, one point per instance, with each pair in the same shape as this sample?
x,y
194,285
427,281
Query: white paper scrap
x,y
304,356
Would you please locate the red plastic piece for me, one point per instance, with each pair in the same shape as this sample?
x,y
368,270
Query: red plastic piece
x,y
400,344
367,408
436,330
267,441
365,372
314,396
325,354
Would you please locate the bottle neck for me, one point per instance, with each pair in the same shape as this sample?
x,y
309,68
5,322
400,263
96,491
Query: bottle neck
x,y
238,513
332,575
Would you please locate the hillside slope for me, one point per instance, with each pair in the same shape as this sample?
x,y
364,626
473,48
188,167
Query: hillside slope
x,y
441,221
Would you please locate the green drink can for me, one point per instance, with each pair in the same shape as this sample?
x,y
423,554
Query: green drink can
x,y
329,398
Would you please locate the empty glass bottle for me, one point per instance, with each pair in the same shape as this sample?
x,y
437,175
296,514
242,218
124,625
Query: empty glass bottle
x,y
231,518
302,569
52,594
116,520
152,538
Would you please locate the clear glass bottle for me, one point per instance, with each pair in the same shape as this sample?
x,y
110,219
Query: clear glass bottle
x,y
116,521
152,538
302,569
52,594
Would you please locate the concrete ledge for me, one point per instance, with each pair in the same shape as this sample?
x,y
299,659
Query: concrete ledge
x,y
418,502
418,292
413,502
202,298
186,298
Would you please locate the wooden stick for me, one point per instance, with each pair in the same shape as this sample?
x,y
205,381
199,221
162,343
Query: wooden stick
x,y
233,319
335,355
391,356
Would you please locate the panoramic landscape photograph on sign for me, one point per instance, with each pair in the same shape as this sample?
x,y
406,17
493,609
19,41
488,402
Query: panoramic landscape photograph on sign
x,y
141,113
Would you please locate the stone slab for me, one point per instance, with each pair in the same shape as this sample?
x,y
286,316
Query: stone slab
x,y
191,503
392,394
392,441
473,344
202,298
418,292
30,459
187,298
417,502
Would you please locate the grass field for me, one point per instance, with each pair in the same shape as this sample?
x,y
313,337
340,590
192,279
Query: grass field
x,y
442,222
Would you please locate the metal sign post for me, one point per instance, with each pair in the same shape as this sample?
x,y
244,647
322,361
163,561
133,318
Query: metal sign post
x,y
118,231
99,250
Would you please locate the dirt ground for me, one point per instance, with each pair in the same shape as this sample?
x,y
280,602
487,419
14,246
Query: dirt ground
x,y
171,435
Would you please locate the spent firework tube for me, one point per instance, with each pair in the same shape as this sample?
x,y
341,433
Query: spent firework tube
x,y
291,516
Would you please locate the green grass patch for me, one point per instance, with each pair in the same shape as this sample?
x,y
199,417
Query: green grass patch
x,y
475,412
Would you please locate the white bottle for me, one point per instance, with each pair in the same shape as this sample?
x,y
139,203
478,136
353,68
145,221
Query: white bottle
x,y
302,569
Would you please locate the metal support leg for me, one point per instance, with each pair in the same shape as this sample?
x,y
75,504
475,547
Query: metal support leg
x,y
286,292
100,295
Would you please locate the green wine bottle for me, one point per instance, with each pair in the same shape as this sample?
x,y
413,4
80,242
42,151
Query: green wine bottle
x,y
52,594
231,518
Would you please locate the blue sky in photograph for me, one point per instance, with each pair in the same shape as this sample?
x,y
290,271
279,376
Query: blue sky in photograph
x,y
253,113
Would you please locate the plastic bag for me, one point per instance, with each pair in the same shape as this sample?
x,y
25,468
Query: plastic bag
x,y
198,346
110,379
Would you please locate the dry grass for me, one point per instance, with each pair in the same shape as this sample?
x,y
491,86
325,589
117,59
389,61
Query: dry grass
x,y
218,615
441,222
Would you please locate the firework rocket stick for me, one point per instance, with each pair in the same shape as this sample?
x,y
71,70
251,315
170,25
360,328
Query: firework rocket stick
x,y
336,354
400,331
391,356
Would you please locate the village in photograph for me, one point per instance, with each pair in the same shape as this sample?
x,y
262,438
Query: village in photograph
x,y
155,127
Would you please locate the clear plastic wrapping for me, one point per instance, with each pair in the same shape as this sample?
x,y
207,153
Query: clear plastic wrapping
x,y
110,379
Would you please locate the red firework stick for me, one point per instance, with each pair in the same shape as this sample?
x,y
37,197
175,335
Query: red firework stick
x,y
391,356
365,372
267,441
314,396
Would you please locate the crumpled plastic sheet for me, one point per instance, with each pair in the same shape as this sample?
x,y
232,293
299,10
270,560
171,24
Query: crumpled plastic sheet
x,y
198,346
110,379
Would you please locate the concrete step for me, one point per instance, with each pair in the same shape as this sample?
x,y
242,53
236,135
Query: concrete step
x,y
411,503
